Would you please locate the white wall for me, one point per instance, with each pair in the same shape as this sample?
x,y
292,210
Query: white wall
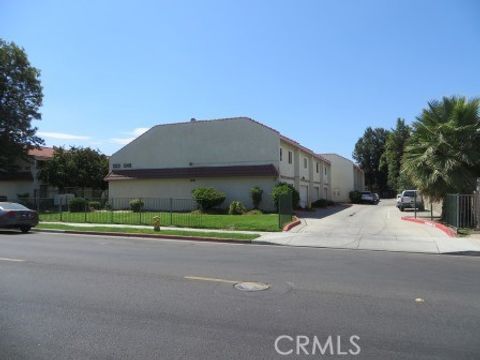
x,y
342,181
236,141
234,188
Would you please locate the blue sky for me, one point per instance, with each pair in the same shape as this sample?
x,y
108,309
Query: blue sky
x,y
320,72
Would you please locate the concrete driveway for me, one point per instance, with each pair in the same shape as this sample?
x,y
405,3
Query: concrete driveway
x,y
369,227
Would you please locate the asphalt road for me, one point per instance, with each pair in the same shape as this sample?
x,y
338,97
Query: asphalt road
x,y
79,297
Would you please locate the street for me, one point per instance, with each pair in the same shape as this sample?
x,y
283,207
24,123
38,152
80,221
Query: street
x,y
93,297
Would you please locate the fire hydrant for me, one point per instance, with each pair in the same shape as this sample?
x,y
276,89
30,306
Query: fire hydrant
x,y
156,223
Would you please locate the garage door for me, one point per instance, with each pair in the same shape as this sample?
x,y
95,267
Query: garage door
x,y
303,196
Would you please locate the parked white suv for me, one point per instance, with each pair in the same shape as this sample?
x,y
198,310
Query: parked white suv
x,y
411,199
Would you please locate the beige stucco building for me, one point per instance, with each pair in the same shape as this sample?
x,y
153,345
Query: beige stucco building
x,y
346,177
231,155
25,179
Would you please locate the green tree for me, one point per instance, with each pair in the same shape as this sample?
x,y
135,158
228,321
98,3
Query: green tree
x,y
443,153
20,100
76,167
391,160
367,153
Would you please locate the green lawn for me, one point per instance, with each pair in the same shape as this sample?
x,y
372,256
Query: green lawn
x,y
262,222
213,235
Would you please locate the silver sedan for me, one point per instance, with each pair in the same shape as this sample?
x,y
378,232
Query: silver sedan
x,y
17,216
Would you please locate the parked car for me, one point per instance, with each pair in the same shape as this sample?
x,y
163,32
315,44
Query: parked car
x,y
368,197
376,197
399,197
17,216
411,199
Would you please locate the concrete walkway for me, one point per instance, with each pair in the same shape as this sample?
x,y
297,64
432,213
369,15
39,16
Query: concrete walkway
x,y
369,227
90,225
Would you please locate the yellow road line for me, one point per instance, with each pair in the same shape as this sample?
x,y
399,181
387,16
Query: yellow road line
x,y
201,278
9,259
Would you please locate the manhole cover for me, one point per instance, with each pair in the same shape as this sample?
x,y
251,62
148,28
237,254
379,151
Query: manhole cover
x,y
251,286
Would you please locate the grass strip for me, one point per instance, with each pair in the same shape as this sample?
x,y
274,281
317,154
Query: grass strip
x,y
213,235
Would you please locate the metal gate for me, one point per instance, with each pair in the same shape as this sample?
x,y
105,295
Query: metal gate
x,y
285,209
463,210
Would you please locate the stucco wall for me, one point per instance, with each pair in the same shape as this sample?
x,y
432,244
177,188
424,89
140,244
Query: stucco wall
x,y
234,188
287,169
342,181
10,189
201,143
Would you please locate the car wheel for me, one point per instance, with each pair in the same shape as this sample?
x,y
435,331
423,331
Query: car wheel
x,y
25,229
401,208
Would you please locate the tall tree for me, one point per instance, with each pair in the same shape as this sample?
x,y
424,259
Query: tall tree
x,y
443,153
76,168
368,152
391,160
20,99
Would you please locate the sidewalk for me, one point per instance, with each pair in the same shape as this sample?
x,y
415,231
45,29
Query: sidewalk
x,y
90,225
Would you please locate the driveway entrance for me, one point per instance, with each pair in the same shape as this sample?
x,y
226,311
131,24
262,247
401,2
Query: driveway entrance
x,y
369,227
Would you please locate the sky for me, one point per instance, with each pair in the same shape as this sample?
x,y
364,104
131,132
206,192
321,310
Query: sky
x,y
319,72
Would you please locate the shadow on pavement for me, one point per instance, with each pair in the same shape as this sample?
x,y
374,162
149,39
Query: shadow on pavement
x,y
10,232
321,213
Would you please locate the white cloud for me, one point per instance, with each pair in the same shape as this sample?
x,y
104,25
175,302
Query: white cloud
x,y
139,131
61,136
135,132
122,141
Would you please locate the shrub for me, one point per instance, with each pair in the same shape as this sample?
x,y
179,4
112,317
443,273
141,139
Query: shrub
x,y
208,198
256,194
320,203
330,202
94,205
78,204
236,208
355,197
284,188
136,205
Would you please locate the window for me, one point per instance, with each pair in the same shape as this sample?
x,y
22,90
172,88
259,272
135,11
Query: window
x,y
281,154
127,165
325,172
305,163
317,167
290,155
116,166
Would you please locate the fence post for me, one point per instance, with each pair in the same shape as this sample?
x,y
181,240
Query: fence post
x,y
415,203
458,211
431,210
60,205
171,211
111,209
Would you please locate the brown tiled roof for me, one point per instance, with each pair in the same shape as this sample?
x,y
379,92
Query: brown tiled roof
x,y
43,152
193,172
16,176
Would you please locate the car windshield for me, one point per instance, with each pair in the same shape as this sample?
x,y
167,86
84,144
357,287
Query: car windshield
x,y
410,193
12,206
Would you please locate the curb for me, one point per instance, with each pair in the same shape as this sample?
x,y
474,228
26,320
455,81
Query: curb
x,y
447,230
292,224
148,236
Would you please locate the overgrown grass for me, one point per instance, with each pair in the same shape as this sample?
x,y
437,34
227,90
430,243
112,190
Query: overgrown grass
x,y
213,235
255,222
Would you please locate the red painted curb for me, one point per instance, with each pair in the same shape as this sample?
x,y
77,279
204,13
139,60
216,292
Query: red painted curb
x,y
149,236
447,230
291,225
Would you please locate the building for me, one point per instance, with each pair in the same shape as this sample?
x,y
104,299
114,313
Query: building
x,y
24,181
231,155
346,177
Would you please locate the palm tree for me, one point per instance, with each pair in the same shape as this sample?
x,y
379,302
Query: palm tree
x,y
443,154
